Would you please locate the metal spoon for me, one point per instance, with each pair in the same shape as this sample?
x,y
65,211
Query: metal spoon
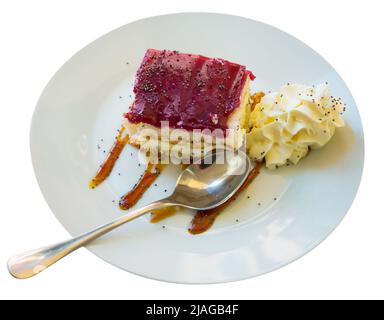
x,y
200,187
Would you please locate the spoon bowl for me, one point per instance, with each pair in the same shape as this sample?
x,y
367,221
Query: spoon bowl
x,y
212,182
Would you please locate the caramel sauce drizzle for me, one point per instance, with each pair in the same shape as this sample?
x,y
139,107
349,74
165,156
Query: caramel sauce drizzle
x,y
203,220
107,166
131,197
163,213
256,98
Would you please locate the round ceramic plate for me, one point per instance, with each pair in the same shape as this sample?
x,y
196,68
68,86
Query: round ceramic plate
x,y
280,217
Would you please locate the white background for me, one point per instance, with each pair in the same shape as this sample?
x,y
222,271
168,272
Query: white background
x,y
37,37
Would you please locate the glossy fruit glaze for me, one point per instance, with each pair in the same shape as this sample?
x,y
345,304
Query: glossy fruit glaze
x,y
189,91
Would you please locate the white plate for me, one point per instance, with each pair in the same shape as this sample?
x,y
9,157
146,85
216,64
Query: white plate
x,y
81,108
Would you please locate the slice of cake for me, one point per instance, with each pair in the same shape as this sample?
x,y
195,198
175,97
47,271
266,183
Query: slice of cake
x,y
190,92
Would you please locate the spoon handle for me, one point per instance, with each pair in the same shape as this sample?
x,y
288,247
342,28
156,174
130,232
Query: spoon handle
x,y
28,264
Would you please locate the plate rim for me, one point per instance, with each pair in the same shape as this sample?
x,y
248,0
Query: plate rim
x,y
308,249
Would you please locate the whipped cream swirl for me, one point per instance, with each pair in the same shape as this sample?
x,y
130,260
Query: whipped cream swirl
x,y
285,124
